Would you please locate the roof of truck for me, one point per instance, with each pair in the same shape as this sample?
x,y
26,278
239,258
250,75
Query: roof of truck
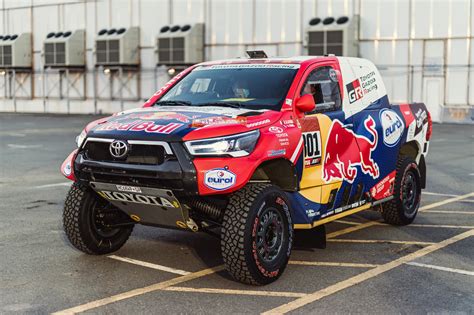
x,y
276,60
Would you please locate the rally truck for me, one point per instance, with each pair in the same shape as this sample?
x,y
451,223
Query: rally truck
x,y
250,150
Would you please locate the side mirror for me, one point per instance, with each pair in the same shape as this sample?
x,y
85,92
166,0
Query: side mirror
x,y
305,103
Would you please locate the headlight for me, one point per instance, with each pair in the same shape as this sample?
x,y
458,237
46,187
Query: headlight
x,y
80,138
237,145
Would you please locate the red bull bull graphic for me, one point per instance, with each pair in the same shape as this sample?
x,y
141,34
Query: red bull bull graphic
x,y
345,150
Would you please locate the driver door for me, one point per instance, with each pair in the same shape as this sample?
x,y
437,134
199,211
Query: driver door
x,y
323,81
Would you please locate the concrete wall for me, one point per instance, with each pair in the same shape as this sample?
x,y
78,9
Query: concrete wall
x,y
423,47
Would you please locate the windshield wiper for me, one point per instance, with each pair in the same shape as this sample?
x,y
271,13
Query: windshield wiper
x,y
173,103
222,104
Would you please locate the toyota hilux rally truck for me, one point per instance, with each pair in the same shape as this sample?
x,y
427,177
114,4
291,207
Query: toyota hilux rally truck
x,y
254,149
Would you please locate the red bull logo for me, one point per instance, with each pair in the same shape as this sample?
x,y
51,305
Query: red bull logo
x,y
345,150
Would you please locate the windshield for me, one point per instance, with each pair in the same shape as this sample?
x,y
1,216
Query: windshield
x,y
256,86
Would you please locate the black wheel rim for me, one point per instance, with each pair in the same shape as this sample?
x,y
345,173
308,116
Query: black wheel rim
x,y
98,219
409,193
269,236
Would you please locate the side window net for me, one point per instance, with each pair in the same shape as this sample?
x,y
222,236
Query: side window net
x,y
323,85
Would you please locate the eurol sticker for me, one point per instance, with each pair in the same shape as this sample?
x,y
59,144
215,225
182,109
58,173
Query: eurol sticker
x,y
219,179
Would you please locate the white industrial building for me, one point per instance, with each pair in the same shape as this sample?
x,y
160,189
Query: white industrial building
x,y
98,56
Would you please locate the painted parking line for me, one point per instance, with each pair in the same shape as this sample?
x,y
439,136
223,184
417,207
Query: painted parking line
x,y
352,229
54,185
449,212
463,272
341,240
236,292
348,222
330,264
445,195
149,265
446,201
315,296
140,291
443,226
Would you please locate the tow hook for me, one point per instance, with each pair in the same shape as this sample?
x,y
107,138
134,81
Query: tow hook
x,y
192,225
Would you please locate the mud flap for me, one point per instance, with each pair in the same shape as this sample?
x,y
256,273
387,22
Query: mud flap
x,y
311,238
144,204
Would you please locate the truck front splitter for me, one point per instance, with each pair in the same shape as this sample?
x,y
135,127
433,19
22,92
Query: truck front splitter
x,y
146,205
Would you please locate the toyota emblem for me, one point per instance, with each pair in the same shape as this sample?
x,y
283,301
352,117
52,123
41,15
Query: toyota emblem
x,y
118,149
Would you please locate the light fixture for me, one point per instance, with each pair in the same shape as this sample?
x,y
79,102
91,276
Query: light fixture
x,y
2,73
106,71
171,71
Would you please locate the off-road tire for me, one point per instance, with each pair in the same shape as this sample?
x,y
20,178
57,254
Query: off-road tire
x,y
78,226
395,211
246,219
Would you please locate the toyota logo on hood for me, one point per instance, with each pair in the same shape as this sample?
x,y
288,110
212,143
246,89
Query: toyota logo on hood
x,y
118,149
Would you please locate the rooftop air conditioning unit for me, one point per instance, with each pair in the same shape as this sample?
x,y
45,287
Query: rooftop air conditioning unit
x,y
15,51
333,36
180,45
64,49
118,46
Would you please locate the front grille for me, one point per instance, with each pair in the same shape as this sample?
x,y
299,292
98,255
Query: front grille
x,y
138,153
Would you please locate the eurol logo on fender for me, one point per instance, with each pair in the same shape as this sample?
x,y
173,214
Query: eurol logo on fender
x,y
219,179
392,126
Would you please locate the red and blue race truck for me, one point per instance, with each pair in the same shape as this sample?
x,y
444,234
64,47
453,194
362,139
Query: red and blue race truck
x,y
250,150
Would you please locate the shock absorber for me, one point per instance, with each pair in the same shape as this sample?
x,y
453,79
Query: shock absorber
x,y
213,211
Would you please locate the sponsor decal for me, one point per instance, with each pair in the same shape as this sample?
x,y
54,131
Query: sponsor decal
x,y
67,169
384,188
345,150
361,86
312,148
368,82
218,120
160,115
421,117
128,188
275,129
311,213
354,91
327,214
140,125
248,66
258,123
219,179
288,101
136,198
392,126
288,123
333,75
277,152
344,208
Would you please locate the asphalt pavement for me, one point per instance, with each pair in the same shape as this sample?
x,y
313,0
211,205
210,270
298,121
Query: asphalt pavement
x,y
367,267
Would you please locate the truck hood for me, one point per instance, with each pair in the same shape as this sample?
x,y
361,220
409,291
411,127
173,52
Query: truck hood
x,y
177,123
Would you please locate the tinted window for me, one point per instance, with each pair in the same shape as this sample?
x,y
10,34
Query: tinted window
x,y
258,86
322,84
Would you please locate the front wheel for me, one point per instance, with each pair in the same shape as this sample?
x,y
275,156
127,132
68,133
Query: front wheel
x,y
402,209
257,234
83,220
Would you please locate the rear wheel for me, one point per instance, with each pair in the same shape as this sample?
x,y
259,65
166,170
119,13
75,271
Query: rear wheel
x,y
85,219
257,234
403,208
